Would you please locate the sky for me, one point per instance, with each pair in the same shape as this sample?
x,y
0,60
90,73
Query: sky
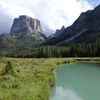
x,y
53,14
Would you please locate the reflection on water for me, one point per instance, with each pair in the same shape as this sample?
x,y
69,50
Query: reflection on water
x,y
65,94
98,64
77,81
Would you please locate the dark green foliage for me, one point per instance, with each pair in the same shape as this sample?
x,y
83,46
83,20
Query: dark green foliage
x,y
12,47
9,68
85,49
48,52
90,49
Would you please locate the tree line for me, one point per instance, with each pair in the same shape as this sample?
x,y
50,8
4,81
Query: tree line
x,y
73,50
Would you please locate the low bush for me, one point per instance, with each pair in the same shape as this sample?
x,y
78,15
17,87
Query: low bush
x,y
9,68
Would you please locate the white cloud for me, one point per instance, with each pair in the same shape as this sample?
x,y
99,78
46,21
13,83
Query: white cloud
x,y
14,10
53,14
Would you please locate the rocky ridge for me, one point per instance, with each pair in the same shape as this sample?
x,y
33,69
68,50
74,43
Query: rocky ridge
x,y
85,28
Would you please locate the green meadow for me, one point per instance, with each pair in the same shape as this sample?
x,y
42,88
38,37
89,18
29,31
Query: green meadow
x,y
30,78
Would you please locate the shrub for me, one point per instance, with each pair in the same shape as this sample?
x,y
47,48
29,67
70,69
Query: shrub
x,y
9,68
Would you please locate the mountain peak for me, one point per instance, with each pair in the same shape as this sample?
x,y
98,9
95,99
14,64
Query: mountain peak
x,y
26,26
26,17
97,8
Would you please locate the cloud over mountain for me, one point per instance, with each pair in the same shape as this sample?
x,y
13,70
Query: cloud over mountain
x,y
52,13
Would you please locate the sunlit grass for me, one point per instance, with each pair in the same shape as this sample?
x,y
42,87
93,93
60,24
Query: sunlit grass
x,y
32,78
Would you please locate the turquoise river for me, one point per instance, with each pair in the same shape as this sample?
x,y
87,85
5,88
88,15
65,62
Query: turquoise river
x,y
77,81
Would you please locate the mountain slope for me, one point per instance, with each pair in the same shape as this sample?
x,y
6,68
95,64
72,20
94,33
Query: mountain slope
x,y
10,45
85,29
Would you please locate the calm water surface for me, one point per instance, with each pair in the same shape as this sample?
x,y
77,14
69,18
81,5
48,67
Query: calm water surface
x,y
77,81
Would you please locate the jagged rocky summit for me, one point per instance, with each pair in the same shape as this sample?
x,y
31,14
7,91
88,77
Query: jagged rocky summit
x,y
26,26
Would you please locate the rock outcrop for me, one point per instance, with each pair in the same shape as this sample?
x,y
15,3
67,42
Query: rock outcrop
x,y
26,26
58,32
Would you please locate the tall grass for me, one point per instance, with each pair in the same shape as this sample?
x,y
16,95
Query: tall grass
x,y
28,79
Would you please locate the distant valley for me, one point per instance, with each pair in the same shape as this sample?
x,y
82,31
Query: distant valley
x,y
26,38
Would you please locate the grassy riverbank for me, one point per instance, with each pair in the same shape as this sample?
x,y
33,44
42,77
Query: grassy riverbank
x,y
31,78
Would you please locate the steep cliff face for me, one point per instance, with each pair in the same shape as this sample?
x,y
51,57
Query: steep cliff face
x,y
26,26
85,28
25,35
